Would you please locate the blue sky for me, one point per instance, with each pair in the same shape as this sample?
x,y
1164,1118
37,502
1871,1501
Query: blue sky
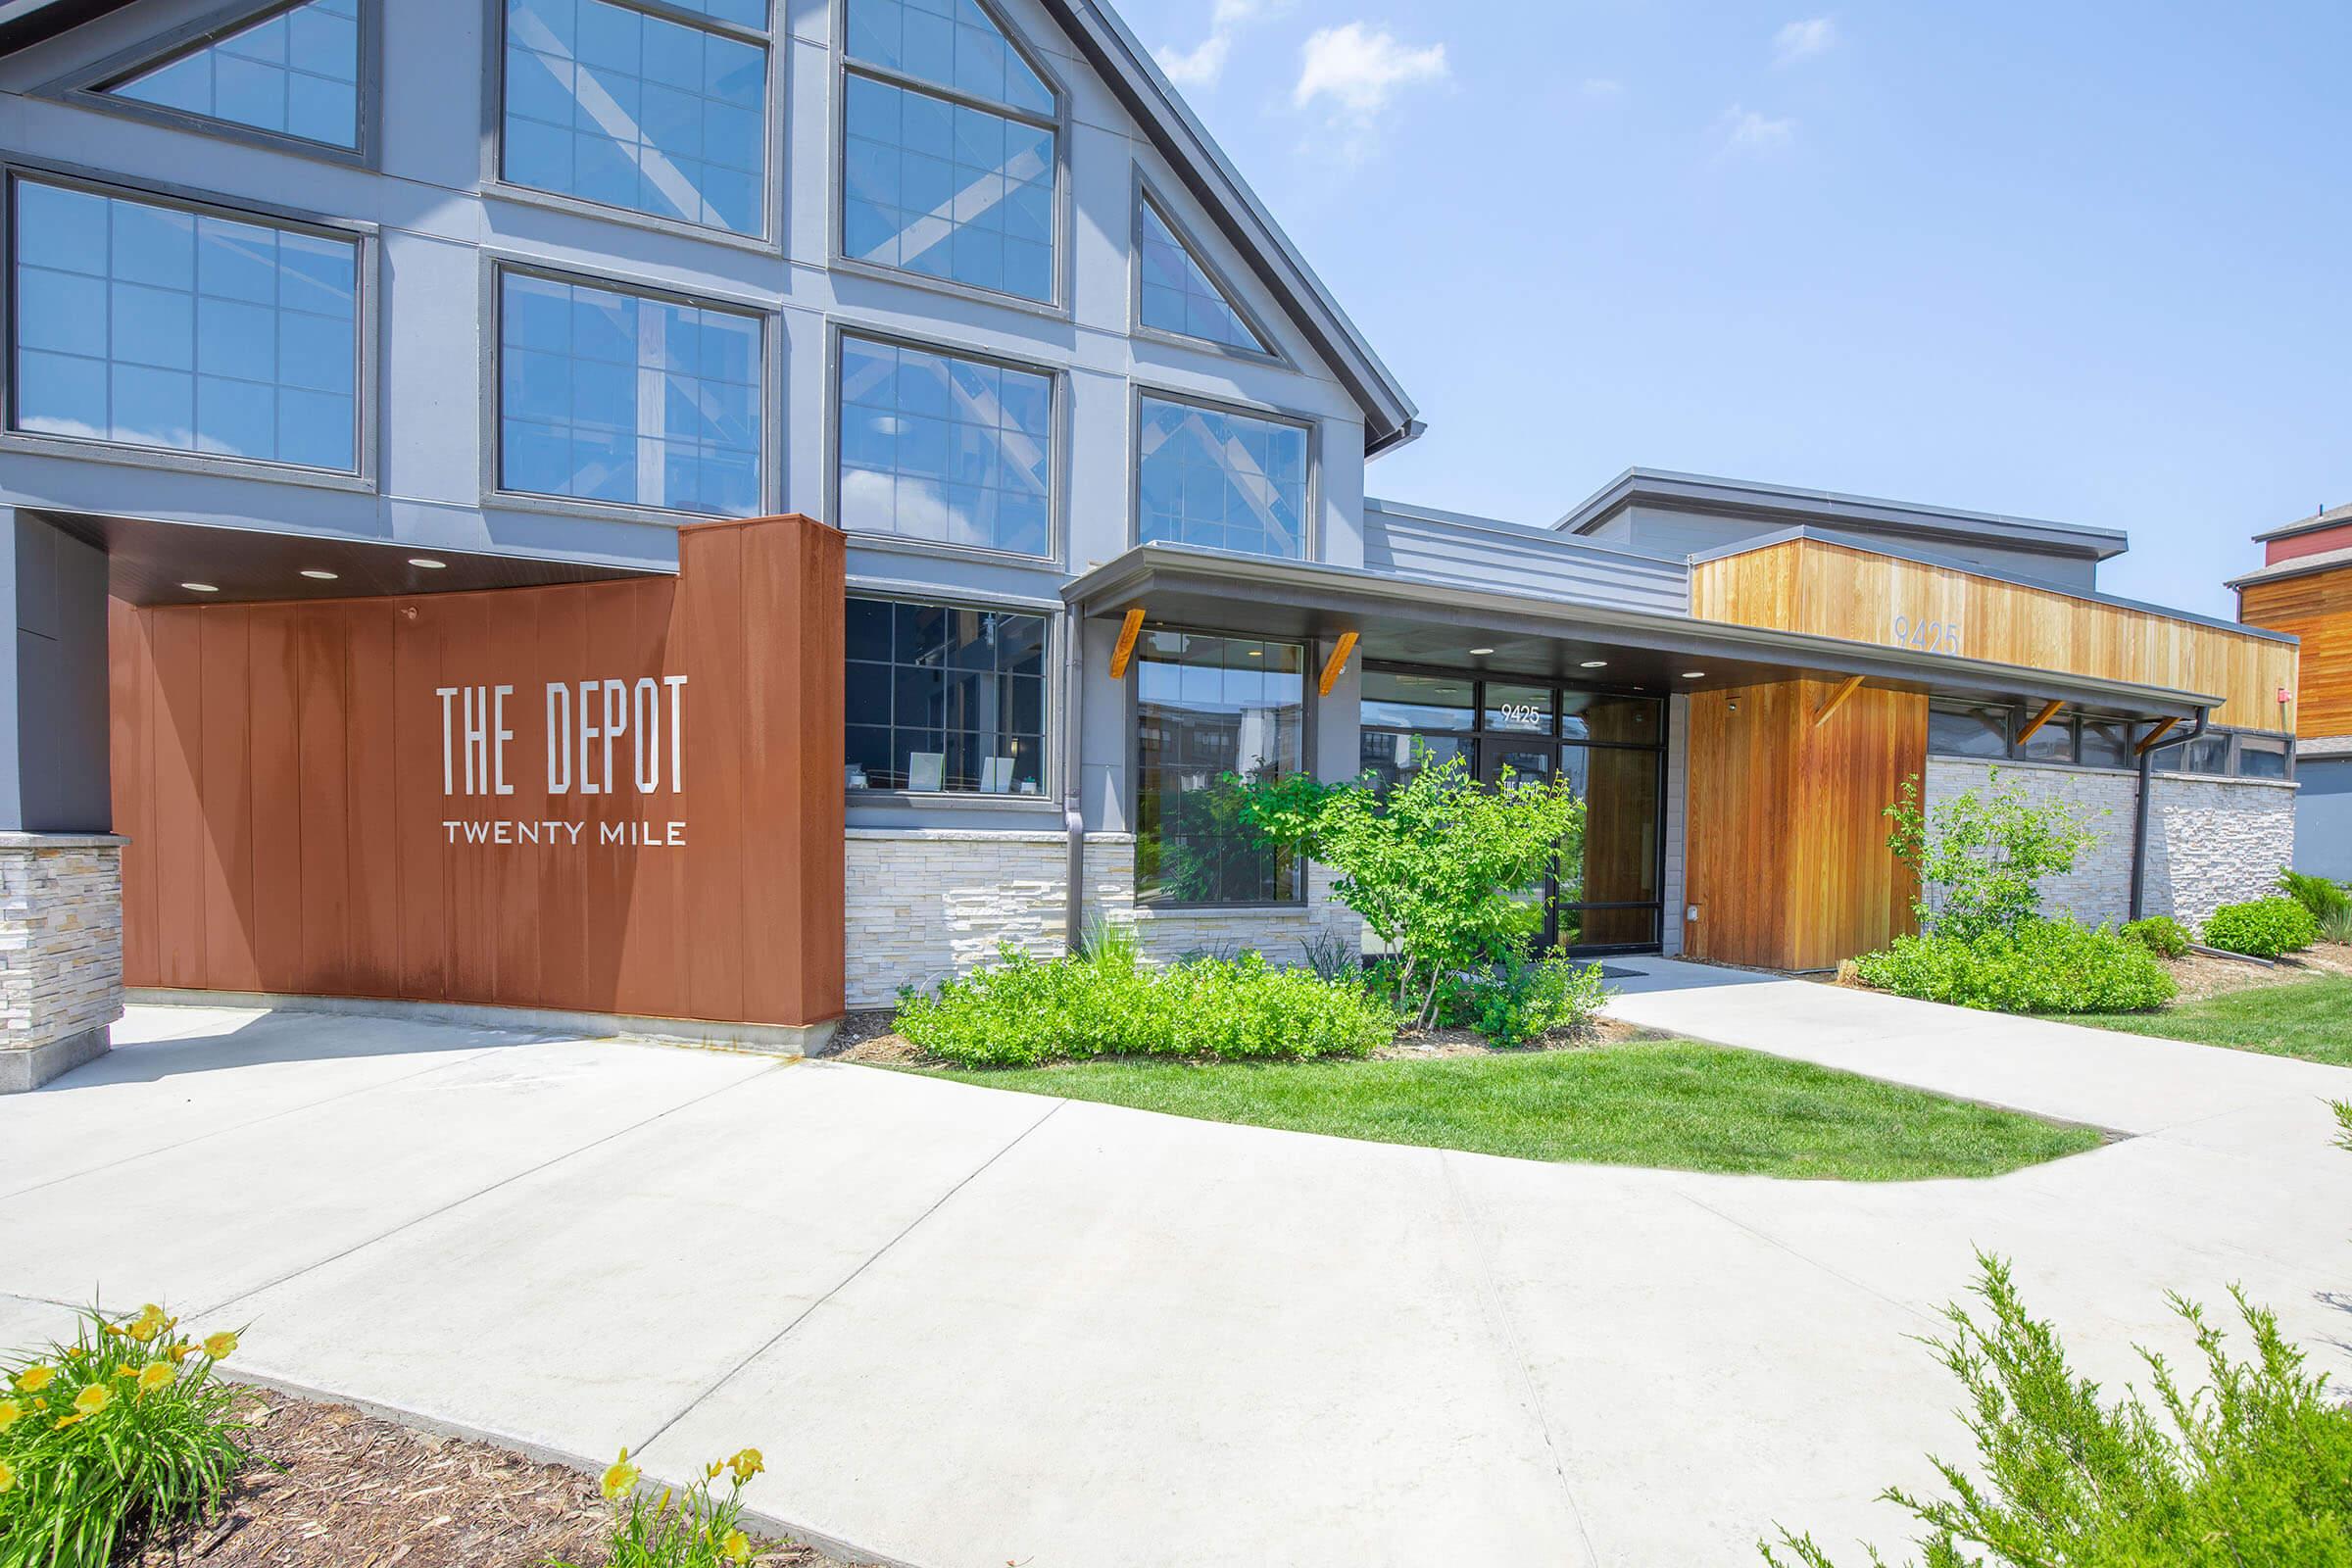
x,y
2084,262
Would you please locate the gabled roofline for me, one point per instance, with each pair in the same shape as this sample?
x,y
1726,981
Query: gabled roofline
x,y
2296,567
1750,498
1127,68
1517,531
2325,518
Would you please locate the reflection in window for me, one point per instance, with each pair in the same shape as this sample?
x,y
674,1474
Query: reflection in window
x,y
1222,480
2207,754
936,447
959,190
1178,294
2262,757
296,73
2054,742
940,698
1957,731
160,328
633,110
2106,743
1519,708
1207,707
614,397
1395,757
1411,701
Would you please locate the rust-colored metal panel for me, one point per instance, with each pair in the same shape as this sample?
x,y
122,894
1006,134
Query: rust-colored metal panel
x,y
621,797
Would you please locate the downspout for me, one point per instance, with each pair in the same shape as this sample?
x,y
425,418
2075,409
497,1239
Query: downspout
x,y
1073,810
2140,810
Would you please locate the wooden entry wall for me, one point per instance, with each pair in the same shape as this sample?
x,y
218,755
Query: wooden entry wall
x,y
1787,843
283,774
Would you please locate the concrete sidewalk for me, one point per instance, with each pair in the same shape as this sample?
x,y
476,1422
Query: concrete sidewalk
x,y
972,1327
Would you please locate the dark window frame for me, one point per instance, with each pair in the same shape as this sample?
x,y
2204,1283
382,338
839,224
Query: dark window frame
x,y
1052,698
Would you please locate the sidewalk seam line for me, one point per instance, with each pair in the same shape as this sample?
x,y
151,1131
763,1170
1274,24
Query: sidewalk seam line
x,y
464,1198
1806,1258
845,1281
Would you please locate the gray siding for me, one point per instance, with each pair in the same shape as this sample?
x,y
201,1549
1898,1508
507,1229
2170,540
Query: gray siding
x,y
1667,531
1492,554
59,685
2324,816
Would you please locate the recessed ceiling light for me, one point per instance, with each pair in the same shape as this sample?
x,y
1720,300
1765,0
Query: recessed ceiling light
x,y
1480,653
428,562
200,587
1257,652
1694,674
322,576
1594,664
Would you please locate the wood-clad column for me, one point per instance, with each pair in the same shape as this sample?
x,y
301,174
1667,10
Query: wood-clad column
x,y
1787,858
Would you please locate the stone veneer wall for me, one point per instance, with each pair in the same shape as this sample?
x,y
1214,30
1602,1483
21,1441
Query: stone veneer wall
x,y
2211,841
927,903
61,952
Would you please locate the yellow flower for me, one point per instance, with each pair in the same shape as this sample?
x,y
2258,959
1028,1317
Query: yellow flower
x,y
221,1345
157,1375
33,1379
746,1464
8,1476
738,1547
621,1479
94,1399
710,1471
65,1421
179,1350
11,1412
148,1324
127,1371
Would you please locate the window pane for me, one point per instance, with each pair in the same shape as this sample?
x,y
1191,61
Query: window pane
x,y
942,698
1519,707
951,42
2106,743
947,190
296,73
1220,480
936,447
2261,756
631,109
2054,742
614,397
1208,707
1617,860
1956,731
159,327
2207,754
1178,294
1392,756
1625,720
1417,701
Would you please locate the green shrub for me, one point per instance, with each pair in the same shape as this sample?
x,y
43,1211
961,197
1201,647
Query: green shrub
x,y
1526,1000
123,1433
2041,966
1023,1010
697,1531
2324,900
2260,1470
2160,934
1980,858
2264,928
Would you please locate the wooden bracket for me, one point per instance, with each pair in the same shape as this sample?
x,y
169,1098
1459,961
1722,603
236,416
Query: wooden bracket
x,y
1845,688
2049,711
1129,629
2153,736
1336,663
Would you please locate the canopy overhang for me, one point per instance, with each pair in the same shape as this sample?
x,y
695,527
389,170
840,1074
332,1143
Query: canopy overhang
x,y
1422,620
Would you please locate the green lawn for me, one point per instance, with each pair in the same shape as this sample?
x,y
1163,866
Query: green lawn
x,y
1673,1103
2307,1018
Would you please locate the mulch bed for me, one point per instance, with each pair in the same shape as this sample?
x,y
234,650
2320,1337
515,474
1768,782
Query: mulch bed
x,y
2202,976
352,1491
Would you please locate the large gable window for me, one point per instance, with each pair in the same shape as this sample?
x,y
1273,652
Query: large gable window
x,y
628,398
294,71
949,148
1178,294
653,106
153,324
939,447
1220,478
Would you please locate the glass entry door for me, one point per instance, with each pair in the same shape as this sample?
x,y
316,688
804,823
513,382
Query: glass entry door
x,y
1610,745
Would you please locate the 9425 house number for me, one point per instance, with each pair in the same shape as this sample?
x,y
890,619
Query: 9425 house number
x,y
1928,636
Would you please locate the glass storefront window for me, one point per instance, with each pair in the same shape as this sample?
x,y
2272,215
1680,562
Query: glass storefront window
x,y
2207,754
941,698
1622,720
2106,743
1512,708
1403,700
1207,707
1957,731
1392,757
2054,742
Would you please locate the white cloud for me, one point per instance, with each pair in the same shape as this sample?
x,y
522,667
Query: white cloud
x,y
1358,69
1801,40
1745,130
1201,66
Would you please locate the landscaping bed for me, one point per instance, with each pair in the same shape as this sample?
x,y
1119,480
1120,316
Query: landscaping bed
x,y
332,1488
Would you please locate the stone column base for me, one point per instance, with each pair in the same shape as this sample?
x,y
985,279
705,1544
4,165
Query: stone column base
x,y
61,952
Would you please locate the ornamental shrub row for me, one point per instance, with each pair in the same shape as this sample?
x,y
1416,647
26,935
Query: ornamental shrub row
x,y
2160,934
2264,928
1023,1010
2038,966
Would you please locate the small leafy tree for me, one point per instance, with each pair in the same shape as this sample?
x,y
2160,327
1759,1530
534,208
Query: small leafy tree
x,y
1986,853
1430,863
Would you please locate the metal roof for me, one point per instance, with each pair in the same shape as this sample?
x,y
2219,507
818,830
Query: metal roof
x,y
1749,497
1127,69
2295,566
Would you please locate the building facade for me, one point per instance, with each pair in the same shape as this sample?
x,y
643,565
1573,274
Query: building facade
x,y
381,380
2304,587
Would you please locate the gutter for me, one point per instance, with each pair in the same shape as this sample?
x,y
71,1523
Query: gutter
x,y
2139,809
1073,808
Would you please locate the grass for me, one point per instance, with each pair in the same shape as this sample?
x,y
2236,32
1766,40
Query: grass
x,y
2307,1018
1674,1103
